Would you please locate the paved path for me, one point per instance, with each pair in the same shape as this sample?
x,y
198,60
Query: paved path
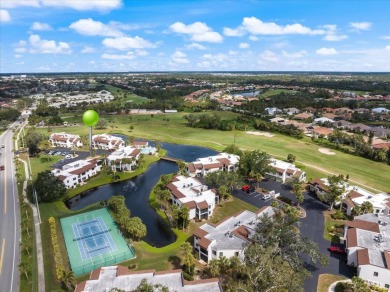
x,y
38,238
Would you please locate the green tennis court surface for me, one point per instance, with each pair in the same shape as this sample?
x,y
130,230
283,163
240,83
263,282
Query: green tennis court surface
x,y
93,240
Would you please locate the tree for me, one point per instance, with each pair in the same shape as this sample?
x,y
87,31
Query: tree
x,y
254,164
163,196
297,187
48,187
136,228
188,257
184,216
291,158
102,124
32,140
233,149
358,285
24,268
222,178
68,279
366,208
223,192
336,189
144,286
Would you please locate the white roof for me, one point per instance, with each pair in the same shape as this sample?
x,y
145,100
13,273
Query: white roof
x,y
234,159
193,190
124,152
377,200
323,119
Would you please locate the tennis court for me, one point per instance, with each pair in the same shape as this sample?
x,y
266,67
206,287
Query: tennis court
x,y
93,240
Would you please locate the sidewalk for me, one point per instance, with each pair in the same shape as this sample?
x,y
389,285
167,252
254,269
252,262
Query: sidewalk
x,y
38,238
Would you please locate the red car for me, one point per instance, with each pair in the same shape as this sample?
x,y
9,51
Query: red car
x,y
245,188
2,167
336,249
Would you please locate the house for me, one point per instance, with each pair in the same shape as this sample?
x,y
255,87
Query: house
x,y
303,116
74,173
330,116
291,111
380,132
220,162
65,140
197,197
343,111
385,146
358,128
320,188
361,110
323,120
341,124
380,110
272,110
284,171
230,236
108,278
140,144
124,158
107,142
367,239
279,120
310,109
321,131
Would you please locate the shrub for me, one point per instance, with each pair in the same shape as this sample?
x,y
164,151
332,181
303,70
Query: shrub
x,y
339,215
59,266
187,277
377,288
340,286
284,199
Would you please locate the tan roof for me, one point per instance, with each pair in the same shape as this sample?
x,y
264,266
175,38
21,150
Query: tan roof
x,y
323,131
80,287
351,237
177,194
320,183
298,173
224,161
83,169
199,232
349,202
95,274
213,165
198,165
303,116
100,140
203,205
363,257
167,272
190,205
365,225
135,152
280,170
290,171
241,232
354,194
191,167
62,177
203,281
387,259
140,143
204,242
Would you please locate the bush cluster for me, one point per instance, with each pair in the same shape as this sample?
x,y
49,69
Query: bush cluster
x,y
57,254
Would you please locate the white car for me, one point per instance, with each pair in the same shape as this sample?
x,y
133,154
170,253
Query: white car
x,y
68,156
265,196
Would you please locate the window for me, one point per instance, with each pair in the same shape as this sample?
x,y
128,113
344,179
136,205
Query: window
x,y
221,254
236,253
387,286
214,252
376,274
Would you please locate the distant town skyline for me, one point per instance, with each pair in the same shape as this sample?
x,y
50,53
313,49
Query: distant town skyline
x,y
40,36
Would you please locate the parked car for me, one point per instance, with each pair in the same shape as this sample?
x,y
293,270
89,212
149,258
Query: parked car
x,y
265,196
246,188
1,167
68,156
337,249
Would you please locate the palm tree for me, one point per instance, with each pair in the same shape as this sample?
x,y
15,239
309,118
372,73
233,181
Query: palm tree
x,y
367,207
69,280
26,245
25,267
188,257
214,267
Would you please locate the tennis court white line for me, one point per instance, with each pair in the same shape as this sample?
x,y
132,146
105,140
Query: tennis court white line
x,y
111,243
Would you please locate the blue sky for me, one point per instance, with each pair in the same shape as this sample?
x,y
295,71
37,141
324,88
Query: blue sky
x,y
208,35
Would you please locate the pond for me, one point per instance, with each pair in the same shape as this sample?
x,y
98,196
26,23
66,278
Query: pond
x,y
137,190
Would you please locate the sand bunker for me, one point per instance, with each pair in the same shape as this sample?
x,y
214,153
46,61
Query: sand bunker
x,y
326,151
265,134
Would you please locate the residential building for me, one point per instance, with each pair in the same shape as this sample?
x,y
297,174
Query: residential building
x,y
303,116
77,172
321,132
284,171
140,144
272,110
107,142
380,110
65,140
190,192
357,196
124,158
106,278
230,236
291,111
323,120
220,162
367,239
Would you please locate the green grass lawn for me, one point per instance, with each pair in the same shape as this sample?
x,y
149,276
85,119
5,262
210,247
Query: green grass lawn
x,y
272,92
329,222
361,171
230,208
38,166
325,280
125,95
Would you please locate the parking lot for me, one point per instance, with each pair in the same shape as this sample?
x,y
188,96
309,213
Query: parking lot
x,y
312,226
79,155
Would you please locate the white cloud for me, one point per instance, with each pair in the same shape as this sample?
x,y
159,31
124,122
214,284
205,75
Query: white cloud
x,y
18,56
20,50
100,5
92,62
357,26
128,56
335,38
387,48
179,57
233,32
385,37
256,26
17,3
253,38
295,55
40,26
269,56
91,27
47,47
243,45
198,31
4,16
88,50
196,46
326,51
125,43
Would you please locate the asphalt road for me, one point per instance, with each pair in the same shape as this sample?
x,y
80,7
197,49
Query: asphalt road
x,y
9,218
311,227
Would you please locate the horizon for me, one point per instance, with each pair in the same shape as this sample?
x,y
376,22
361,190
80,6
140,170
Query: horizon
x,y
43,36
